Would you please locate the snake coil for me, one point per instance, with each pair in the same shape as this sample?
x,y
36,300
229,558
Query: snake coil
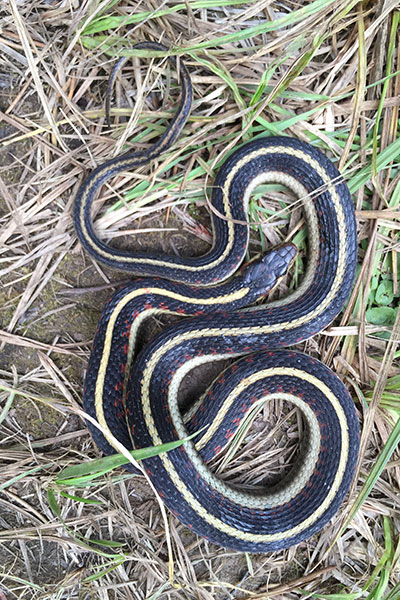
x,y
134,396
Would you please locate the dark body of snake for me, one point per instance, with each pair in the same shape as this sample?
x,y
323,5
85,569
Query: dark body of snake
x,y
134,397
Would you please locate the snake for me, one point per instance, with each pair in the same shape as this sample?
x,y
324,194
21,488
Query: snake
x,y
132,392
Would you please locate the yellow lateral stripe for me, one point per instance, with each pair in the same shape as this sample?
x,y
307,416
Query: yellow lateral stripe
x,y
259,501
240,164
98,399
253,537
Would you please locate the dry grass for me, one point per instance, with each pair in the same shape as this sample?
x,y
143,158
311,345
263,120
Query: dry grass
x,y
326,72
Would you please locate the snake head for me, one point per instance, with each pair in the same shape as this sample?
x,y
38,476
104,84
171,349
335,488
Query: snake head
x,y
264,274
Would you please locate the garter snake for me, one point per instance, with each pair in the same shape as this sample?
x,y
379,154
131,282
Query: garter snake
x,y
133,395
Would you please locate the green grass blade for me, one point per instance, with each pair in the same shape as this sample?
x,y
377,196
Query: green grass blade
x,y
290,19
14,480
101,466
380,464
390,53
108,22
389,154
80,499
